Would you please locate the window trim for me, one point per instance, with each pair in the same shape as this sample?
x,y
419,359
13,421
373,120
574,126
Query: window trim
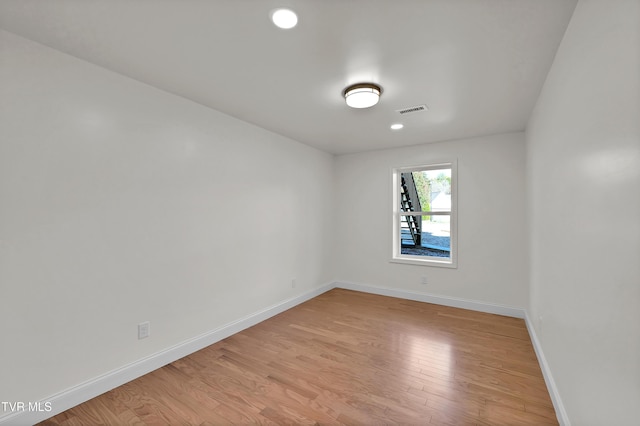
x,y
396,256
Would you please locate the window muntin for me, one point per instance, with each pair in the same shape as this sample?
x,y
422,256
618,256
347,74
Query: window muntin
x,y
424,215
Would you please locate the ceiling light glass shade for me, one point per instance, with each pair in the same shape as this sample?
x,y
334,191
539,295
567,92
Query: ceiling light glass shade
x,y
363,95
284,18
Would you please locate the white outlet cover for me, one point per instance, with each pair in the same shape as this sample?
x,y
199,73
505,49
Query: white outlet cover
x,y
144,330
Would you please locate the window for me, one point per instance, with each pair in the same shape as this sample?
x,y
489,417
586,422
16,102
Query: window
x,y
425,215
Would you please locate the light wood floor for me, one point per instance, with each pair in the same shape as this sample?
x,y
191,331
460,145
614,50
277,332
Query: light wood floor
x,y
344,358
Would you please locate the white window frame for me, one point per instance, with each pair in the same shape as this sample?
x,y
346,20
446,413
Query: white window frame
x,y
397,213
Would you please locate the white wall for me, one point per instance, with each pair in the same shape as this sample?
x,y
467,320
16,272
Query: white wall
x,y
120,203
492,254
583,155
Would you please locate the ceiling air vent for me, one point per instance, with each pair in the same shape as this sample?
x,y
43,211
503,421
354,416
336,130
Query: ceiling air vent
x,y
413,109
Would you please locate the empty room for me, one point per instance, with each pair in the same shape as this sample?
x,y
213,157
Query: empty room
x,y
320,212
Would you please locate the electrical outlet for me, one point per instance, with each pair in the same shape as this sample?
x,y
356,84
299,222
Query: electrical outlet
x,y
540,320
293,283
144,330
423,281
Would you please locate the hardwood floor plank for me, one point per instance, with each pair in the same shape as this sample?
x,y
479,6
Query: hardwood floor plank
x,y
344,357
499,414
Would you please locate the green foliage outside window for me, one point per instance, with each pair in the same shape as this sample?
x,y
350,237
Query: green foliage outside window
x,y
426,184
423,187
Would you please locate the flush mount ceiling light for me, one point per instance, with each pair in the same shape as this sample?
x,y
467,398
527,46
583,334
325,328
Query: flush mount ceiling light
x,y
397,126
284,18
362,95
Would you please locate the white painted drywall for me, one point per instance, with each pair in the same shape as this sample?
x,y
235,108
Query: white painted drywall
x,y
120,203
492,254
583,158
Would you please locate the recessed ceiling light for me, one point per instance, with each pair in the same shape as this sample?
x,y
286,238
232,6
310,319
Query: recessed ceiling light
x,y
362,95
397,126
284,18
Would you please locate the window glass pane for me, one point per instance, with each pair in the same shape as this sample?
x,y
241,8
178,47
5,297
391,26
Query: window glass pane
x,y
425,190
426,235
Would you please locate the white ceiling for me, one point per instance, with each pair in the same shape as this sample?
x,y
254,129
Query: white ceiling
x,y
477,64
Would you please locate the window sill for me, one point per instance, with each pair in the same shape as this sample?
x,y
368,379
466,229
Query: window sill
x,y
411,260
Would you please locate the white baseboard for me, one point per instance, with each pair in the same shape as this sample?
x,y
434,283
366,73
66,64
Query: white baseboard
x,y
90,389
561,413
472,305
